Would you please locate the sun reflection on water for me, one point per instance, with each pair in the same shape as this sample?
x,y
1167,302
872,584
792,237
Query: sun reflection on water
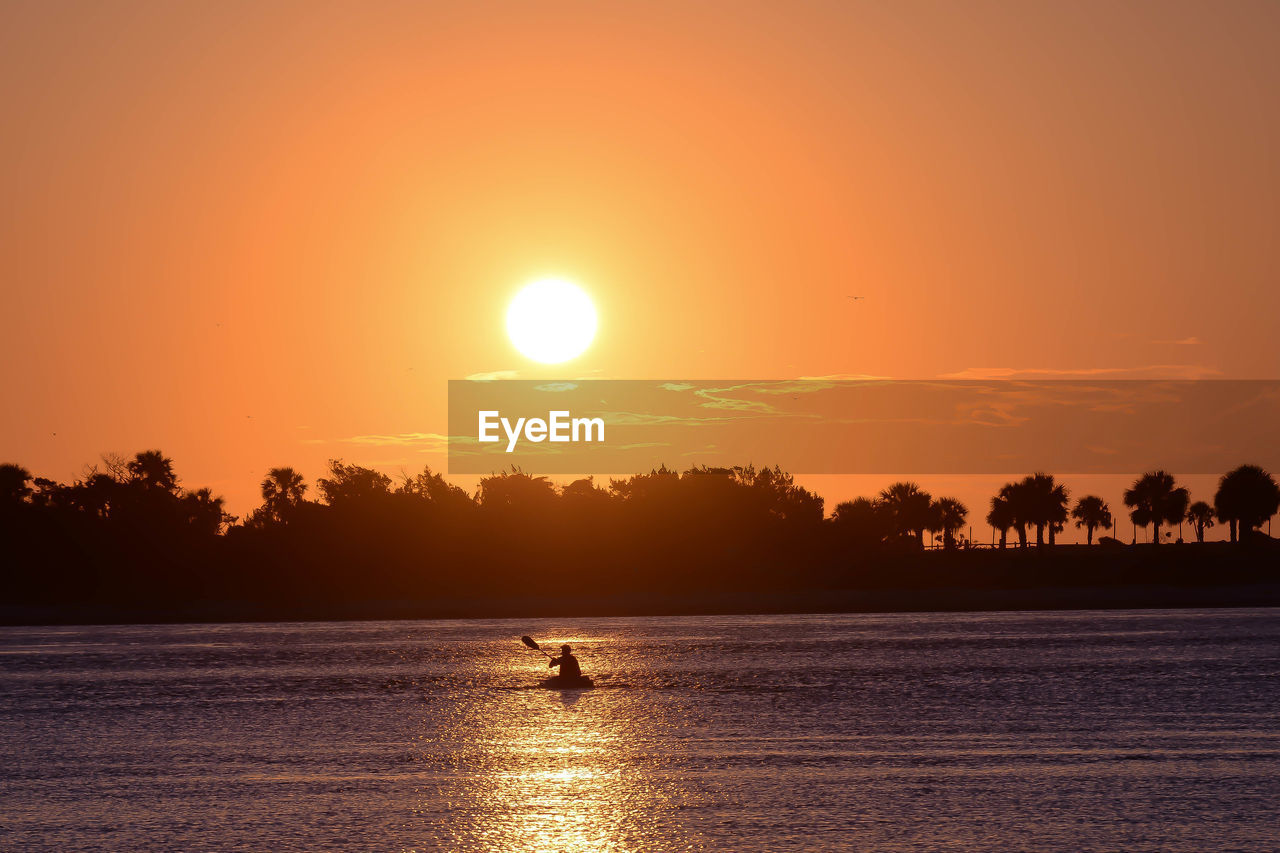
x,y
532,769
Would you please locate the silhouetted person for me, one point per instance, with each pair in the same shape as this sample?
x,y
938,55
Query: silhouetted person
x,y
567,662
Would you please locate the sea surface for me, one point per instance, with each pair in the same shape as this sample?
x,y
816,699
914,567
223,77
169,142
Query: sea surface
x,y
1078,731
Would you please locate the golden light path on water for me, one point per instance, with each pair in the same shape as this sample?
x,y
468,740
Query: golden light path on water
x,y
1088,732
571,770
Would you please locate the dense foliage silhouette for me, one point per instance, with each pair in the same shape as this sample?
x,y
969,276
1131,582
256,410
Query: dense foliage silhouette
x,y
127,535
1155,499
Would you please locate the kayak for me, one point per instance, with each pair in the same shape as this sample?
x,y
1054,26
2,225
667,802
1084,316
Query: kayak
x,y
562,682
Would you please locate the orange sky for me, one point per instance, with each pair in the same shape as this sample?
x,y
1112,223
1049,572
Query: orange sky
x,y
246,233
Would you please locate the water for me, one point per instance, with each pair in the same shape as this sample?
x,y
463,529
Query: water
x,y
1027,731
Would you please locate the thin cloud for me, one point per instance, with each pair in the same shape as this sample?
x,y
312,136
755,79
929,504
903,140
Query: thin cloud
x,y
794,387
994,415
492,375
717,398
654,419
1151,371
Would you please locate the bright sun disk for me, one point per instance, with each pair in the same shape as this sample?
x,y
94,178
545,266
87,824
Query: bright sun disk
x,y
551,320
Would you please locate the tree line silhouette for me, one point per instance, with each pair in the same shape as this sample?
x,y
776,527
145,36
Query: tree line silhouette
x,y
1246,498
128,534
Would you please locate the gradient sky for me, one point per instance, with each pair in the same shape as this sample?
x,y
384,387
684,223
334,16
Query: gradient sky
x,y
248,233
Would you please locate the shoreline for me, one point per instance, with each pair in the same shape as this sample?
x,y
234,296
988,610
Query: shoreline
x,y
849,601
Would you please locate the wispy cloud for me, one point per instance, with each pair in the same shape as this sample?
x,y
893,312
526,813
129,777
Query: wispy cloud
x,y
1182,342
706,448
1151,371
718,398
794,387
729,398
655,419
994,415
491,375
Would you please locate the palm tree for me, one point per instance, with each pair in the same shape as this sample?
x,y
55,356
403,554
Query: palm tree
x,y
1246,497
1092,512
862,520
204,512
1002,518
1042,502
948,517
153,470
1056,503
282,491
1155,498
1017,500
855,511
1200,514
907,509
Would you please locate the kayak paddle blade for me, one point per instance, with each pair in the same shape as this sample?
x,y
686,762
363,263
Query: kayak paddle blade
x,y
528,641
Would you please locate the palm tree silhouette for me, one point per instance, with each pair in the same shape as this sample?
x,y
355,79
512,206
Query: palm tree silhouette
x,y
204,511
1155,498
282,491
1200,514
153,470
948,517
863,520
1018,499
1001,517
1092,512
1037,499
1246,497
907,508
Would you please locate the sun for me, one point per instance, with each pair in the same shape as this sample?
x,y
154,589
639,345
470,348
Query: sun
x,y
551,320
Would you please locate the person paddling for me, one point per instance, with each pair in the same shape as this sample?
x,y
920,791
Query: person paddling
x,y
567,662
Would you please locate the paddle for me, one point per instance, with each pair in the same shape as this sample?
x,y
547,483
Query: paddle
x,y
528,641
